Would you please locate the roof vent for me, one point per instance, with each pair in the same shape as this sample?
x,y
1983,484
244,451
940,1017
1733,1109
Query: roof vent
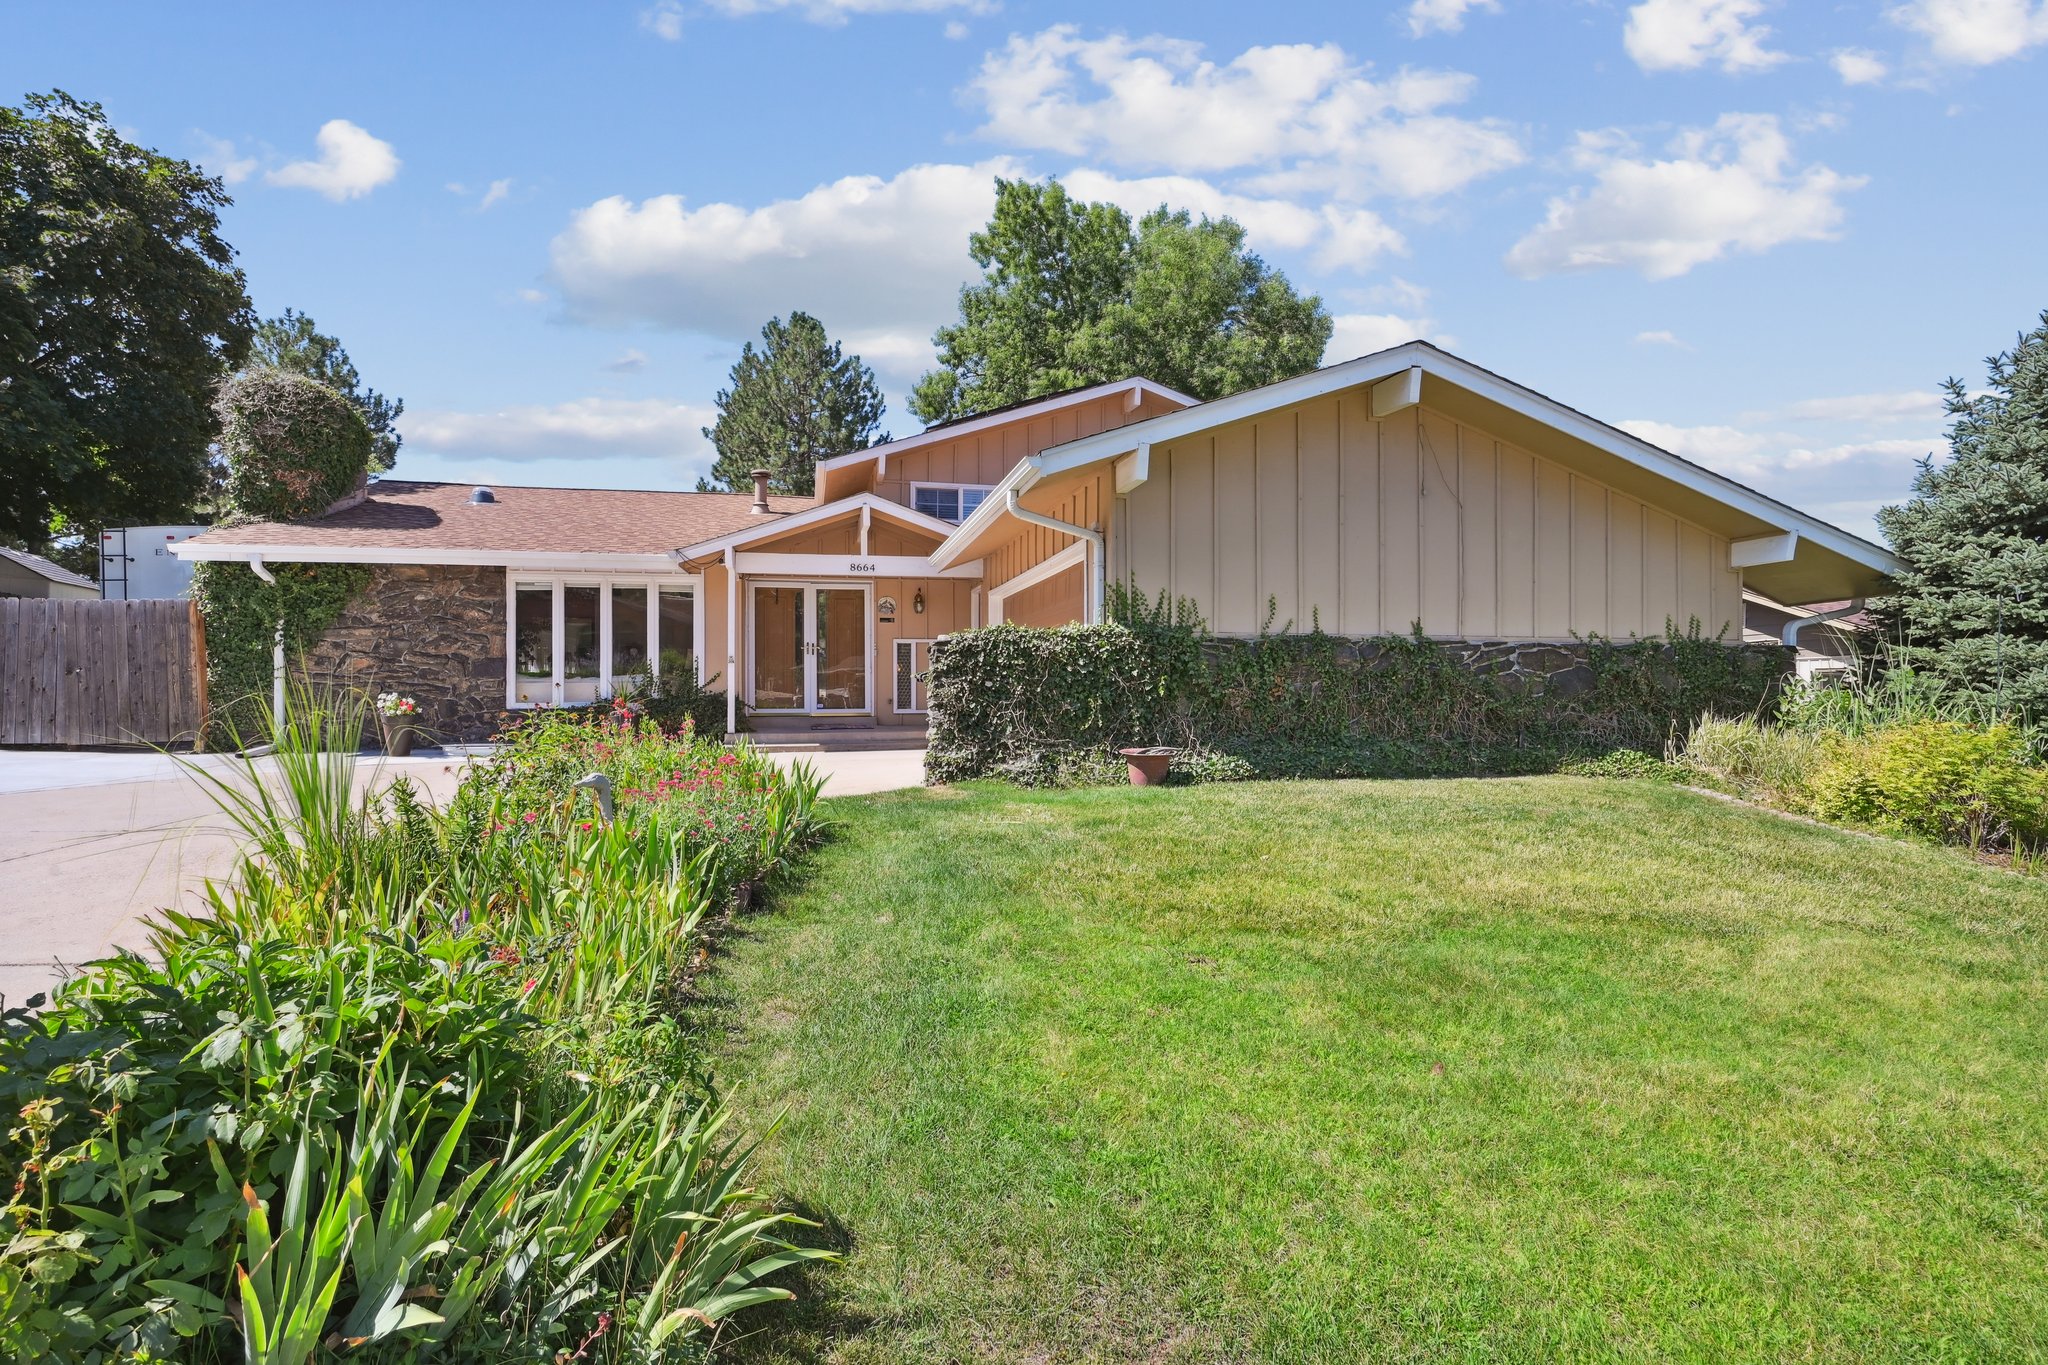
x,y
482,494
760,477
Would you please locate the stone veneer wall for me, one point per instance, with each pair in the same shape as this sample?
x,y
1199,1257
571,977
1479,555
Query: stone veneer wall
x,y
435,633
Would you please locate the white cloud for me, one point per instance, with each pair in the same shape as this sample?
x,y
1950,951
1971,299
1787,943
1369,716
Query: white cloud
x,y
533,296
955,30
1857,66
1681,35
883,258
1338,238
351,163
1808,475
498,192
664,20
880,261
1299,116
1660,339
629,361
1444,16
583,428
1731,187
221,158
839,11
1914,405
1357,334
1975,32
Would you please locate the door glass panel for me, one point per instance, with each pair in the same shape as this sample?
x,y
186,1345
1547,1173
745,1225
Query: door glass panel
x,y
778,649
629,633
579,642
678,624
533,637
842,638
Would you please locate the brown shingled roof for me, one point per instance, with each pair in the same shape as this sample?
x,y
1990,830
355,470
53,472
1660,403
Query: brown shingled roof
x,y
402,515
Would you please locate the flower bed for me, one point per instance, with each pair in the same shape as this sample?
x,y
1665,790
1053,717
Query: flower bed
x,y
414,1089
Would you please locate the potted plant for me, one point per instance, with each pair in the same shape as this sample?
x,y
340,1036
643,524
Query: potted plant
x,y
395,714
1147,766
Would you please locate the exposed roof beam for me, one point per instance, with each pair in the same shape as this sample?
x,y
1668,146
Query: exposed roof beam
x,y
1777,548
1401,392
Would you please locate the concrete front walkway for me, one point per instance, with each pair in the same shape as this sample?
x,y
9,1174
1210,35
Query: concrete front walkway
x,y
91,843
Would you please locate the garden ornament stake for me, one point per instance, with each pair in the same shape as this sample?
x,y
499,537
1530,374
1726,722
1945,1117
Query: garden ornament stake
x,y
602,785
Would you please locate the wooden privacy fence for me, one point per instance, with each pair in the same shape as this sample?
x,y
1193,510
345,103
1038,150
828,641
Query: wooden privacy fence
x,y
85,672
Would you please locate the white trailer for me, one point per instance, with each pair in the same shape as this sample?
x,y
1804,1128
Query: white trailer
x,y
136,562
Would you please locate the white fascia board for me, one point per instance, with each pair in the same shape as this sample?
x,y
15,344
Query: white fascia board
x,y
567,561
1135,389
796,521
769,564
1463,373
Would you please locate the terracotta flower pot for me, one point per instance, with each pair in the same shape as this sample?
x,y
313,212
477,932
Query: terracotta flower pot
x,y
1147,767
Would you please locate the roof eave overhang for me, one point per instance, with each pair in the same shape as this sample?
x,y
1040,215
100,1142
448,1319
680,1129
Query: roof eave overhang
x,y
563,560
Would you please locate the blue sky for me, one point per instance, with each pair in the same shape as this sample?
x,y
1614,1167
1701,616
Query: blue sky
x,y
1757,232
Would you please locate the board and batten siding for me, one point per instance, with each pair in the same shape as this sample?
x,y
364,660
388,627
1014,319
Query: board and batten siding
x,y
984,457
1064,597
1368,526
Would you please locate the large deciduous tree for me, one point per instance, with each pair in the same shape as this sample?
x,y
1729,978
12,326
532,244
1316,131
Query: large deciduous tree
x,y
1073,294
1972,606
294,343
796,401
120,310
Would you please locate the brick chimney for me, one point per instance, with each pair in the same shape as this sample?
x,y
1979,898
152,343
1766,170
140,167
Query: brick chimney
x,y
760,490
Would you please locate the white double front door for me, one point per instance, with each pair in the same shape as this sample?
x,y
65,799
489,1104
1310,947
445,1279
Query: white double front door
x,y
810,644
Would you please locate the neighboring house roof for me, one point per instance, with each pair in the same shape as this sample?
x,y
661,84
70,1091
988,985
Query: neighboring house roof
x,y
1822,560
408,522
56,573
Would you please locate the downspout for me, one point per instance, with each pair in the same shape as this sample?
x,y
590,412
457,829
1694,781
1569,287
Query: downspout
x,y
257,567
1789,636
732,648
1093,537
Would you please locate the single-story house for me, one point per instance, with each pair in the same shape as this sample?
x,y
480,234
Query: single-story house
x,y
25,575
1406,486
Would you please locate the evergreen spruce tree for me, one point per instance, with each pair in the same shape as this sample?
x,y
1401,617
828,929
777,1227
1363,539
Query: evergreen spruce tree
x,y
1972,607
796,401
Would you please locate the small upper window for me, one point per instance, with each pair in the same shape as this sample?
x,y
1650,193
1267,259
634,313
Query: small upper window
x,y
947,501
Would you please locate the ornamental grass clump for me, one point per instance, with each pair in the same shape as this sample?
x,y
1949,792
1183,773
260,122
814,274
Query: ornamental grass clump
x,y
413,1088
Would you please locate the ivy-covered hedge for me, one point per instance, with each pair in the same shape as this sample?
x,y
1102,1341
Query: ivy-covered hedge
x,y
1048,705
241,613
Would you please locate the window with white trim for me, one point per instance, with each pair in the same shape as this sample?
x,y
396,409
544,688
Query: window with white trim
x,y
954,502
574,638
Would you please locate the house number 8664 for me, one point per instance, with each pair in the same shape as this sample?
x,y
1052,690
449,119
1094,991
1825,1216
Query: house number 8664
x,y
856,566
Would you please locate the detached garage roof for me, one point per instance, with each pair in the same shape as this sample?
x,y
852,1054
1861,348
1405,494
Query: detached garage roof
x,y
56,573
403,522
1781,551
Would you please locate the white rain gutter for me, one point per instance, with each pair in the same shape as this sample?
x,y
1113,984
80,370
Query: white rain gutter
x,y
1789,636
257,567
1015,507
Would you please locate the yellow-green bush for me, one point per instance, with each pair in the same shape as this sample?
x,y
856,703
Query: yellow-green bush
x,y
1944,779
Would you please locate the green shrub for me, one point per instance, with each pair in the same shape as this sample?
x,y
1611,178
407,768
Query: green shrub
x,y
293,445
673,698
1941,779
1623,763
1019,702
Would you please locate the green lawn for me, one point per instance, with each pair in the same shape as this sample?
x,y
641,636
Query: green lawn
x,y
1540,1069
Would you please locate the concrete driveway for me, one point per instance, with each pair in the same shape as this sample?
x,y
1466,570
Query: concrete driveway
x,y
91,843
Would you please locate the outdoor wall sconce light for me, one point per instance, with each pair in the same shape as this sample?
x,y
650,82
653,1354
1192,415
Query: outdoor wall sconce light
x,y
917,602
